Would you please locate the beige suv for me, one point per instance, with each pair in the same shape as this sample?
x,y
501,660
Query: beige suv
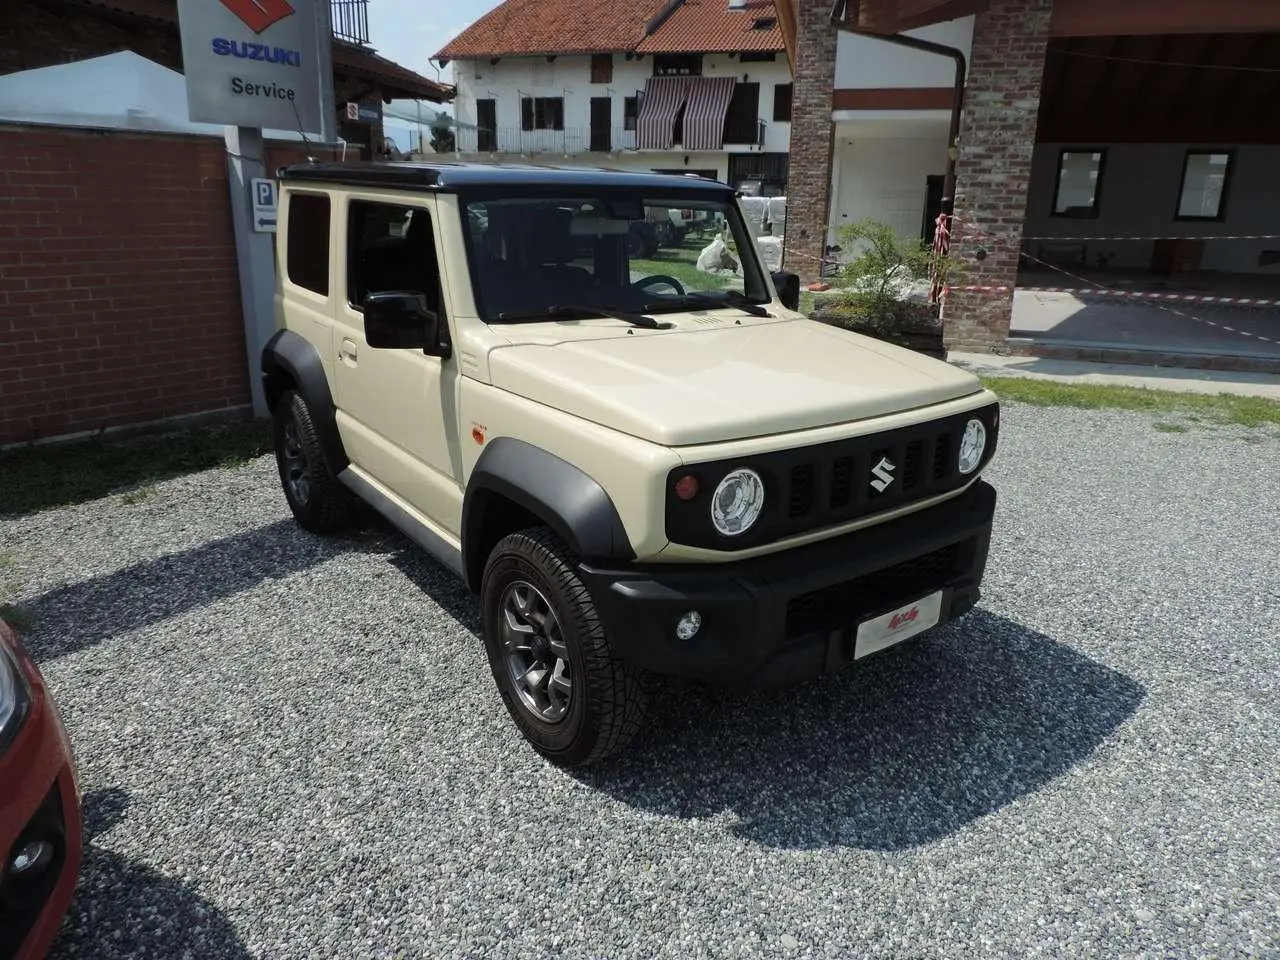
x,y
641,466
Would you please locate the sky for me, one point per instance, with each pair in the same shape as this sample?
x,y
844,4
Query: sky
x,y
411,31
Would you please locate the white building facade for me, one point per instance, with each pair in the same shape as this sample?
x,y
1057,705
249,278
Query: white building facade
x,y
891,111
618,110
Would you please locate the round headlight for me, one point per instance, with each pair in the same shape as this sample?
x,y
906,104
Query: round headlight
x,y
972,445
737,502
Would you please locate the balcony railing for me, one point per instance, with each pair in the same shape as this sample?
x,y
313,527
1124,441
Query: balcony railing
x,y
350,20
573,140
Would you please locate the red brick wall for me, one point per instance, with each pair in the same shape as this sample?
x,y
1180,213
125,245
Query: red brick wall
x,y
119,297
993,173
809,169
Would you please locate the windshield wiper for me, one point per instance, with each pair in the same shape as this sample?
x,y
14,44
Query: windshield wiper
x,y
726,298
577,312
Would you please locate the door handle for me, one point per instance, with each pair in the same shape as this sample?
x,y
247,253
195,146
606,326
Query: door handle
x,y
347,351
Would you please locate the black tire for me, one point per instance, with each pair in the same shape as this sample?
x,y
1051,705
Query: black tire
x,y
609,698
321,504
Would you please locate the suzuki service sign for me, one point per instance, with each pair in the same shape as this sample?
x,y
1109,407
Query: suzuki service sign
x,y
257,63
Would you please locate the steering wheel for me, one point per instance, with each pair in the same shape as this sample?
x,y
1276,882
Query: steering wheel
x,y
657,279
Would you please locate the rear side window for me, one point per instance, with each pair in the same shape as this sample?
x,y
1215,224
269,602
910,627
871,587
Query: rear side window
x,y
391,247
307,255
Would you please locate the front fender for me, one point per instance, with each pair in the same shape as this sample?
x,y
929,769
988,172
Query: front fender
x,y
570,502
289,360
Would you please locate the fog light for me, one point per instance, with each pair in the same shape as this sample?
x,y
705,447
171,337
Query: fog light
x,y
689,625
30,861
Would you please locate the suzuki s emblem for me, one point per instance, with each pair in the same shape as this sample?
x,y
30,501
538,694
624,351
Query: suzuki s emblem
x,y
259,14
882,475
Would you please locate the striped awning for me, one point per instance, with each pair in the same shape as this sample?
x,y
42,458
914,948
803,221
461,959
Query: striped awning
x,y
655,123
705,112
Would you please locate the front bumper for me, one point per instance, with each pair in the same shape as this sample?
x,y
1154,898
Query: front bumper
x,y
792,616
39,800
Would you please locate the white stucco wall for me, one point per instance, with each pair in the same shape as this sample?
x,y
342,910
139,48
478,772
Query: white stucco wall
x,y
1138,197
570,77
862,62
880,172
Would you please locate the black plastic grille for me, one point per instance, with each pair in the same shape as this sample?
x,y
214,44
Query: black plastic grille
x,y
801,490
844,604
941,456
841,481
823,485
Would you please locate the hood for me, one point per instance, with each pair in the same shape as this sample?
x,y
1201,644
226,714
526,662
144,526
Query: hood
x,y
684,387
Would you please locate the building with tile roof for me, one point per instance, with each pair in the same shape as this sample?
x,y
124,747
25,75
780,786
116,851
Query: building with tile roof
x,y
699,86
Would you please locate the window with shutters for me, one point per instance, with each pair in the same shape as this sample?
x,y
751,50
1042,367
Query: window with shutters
x,y
602,68
542,113
630,110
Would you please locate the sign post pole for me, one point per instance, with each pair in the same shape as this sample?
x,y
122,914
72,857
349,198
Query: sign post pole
x,y
255,65
254,252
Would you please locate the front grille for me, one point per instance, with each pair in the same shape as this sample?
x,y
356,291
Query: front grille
x,y
823,485
801,490
841,481
842,605
941,456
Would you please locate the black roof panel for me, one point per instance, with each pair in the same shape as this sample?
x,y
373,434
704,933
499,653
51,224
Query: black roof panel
x,y
450,176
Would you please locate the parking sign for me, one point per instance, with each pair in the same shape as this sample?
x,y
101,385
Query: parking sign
x,y
264,205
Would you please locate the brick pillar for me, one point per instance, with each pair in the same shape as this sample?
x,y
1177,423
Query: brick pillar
x,y
993,172
809,169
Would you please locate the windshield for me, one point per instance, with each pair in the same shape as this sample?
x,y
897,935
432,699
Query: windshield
x,y
533,257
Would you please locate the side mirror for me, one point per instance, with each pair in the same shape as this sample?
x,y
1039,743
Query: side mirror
x,y
399,320
788,286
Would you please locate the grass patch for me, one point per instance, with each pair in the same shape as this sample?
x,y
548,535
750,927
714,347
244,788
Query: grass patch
x,y
1164,426
1219,408
38,478
681,263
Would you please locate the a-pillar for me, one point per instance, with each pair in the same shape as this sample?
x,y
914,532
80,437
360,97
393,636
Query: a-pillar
x,y
809,169
993,172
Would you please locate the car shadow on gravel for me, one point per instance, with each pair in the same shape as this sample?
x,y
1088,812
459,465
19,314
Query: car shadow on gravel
x,y
82,614
904,749
123,908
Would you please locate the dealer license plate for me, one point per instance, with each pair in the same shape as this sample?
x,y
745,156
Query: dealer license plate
x,y
897,625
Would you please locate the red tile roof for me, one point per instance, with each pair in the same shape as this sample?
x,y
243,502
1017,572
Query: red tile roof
x,y
710,26
559,27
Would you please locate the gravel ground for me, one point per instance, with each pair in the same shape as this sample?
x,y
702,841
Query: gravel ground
x,y
292,747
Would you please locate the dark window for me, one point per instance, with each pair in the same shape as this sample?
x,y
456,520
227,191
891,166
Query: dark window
x,y
486,125
542,113
307,255
762,172
764,23
677,64
1205,178
1079,183
390,247
757,56
602,68
630,110
742,121
782,102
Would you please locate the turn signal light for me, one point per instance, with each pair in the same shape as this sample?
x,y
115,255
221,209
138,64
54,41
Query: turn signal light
x,y
687,487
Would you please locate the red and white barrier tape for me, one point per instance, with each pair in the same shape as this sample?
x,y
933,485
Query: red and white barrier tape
x,y
1135,294
1235,236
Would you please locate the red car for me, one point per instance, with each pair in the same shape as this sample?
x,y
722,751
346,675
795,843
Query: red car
x,y
40,828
